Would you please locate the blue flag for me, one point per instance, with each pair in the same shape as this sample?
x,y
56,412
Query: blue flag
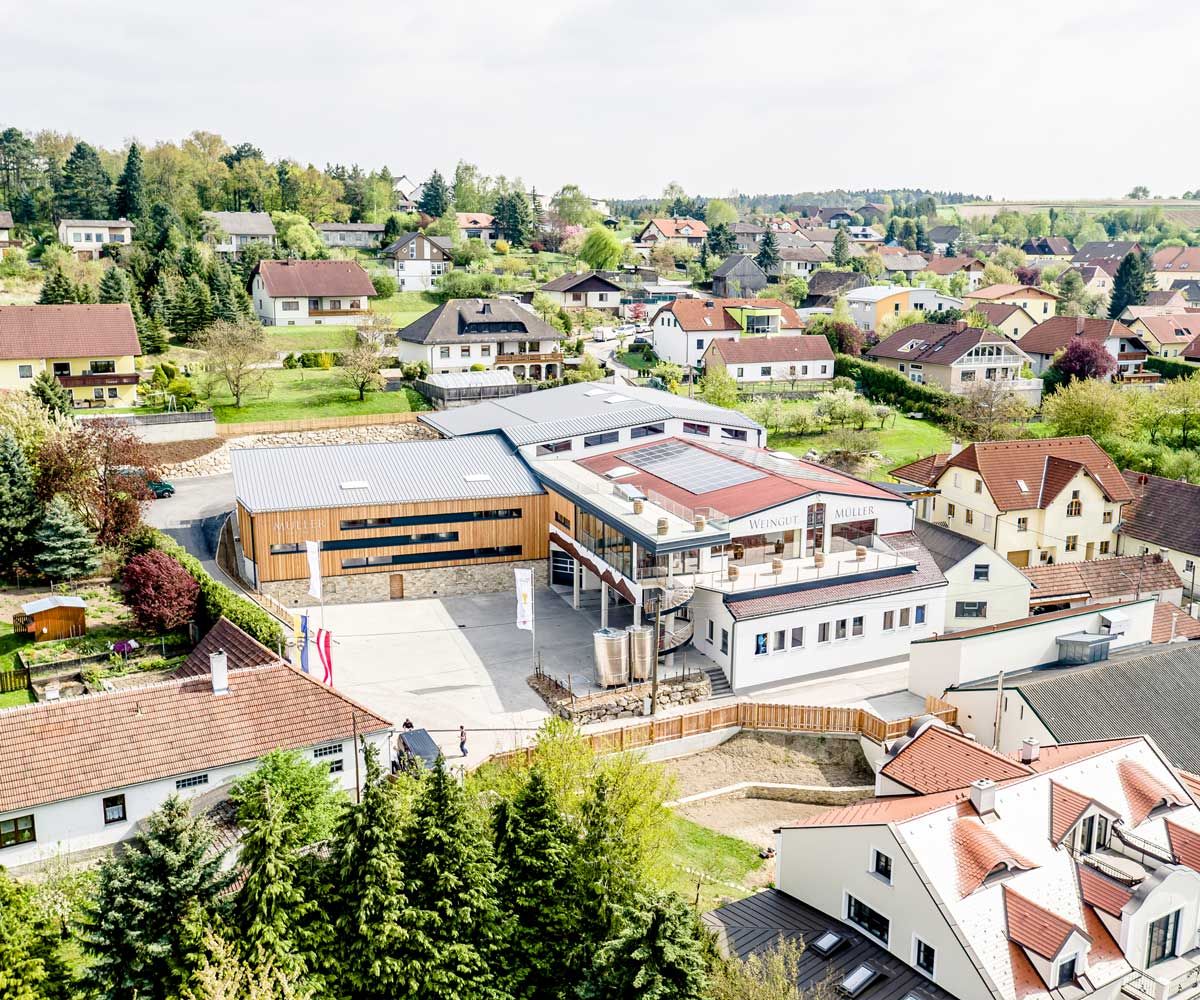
x,y
304,643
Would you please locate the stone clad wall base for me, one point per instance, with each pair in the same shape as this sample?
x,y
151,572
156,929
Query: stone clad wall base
x,y
442,581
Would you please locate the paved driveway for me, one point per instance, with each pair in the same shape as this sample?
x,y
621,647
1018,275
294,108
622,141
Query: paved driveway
x,y
455,661
193,516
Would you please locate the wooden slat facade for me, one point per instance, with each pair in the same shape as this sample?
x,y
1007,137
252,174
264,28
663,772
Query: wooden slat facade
x,y
262,530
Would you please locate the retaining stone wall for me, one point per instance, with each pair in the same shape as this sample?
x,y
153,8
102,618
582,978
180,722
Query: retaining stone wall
x,y
443,581
630,702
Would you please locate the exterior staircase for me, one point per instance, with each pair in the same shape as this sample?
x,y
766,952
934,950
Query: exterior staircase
x,y
720,683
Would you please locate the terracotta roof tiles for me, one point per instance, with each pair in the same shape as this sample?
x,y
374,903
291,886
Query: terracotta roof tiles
x,y
1034,927
753,350
1066,806
1172,623
314,278
1055,333
1144,792
34,333
1102,892
978,852
711,315
1103,579
939,760
241,650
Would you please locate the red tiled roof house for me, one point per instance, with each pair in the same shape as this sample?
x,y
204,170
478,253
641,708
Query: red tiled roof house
x,y
310,292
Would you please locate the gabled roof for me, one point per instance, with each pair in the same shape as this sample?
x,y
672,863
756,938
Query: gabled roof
x,y
753,350
936,343
1145,792
997,313
241,651
1184,260
944,234
994,292
1044,465
1102,579
245,223
939,264
1164,512
710,315
471,321
1036,928
1102,892
1054,334
1178,328
474,220
940,760
1172,624
947,546
108,223
162,730
595,281
441,246
670,228
313,278
738,262
813,254
1098,250
56,601
833,282
1066,807
1184,843
1049,245
32,333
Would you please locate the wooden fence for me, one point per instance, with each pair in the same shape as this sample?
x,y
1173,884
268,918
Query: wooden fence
x,y
314,424
14,680
823,719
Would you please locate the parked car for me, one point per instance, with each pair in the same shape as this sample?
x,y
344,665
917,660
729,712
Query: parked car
x,y
641,340
160,488
625,330
602,333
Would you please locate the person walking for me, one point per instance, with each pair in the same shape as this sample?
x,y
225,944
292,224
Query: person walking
x,y
462,739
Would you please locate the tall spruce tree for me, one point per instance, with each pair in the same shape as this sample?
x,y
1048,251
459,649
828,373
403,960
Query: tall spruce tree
x,y
84,190
30,968
1129,285
537,891
66,549
768,253
20,510
131,197
49,391
57,289
114,286
435,196
605,864
514,218
841,247
657,953
455,929
921,236
391,230
368,893
138,929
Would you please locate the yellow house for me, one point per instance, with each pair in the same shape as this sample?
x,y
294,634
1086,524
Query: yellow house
x,y
1167,336
91,349
1038,302
1011,320
1054,500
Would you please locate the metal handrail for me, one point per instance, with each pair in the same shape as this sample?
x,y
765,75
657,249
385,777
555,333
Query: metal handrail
x,y
1163,855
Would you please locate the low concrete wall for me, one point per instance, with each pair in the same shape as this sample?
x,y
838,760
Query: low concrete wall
x,y
817,795
160,428
448,581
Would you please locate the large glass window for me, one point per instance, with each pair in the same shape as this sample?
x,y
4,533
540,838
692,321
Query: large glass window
x,y
603,539
875,924
18,830
503,514
1164,933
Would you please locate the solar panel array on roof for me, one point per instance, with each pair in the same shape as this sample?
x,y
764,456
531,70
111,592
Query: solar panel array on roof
x,y
690,468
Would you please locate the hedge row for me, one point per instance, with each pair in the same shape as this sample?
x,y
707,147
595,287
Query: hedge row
x,y
1170,368
217,600
885,385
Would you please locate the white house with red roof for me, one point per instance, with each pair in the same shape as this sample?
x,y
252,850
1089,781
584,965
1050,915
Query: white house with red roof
x,y
772,359
684,229
1068,871
684,329
304,292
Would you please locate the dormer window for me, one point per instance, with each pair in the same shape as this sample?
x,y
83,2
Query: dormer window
x,y
1066,971
1163,937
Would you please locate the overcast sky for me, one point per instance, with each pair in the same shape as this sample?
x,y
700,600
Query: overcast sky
x,y
1020,98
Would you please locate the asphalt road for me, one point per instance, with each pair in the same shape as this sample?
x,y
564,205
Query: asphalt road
x,y
193,516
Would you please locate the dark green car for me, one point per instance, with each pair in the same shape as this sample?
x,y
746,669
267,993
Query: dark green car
x,y
160,488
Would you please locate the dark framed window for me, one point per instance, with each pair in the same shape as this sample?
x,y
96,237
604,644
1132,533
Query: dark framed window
x,y
881,865
503,514
724,640
18,830
595,440
114,808
1164,934
1066,972
856,625
970,609
404,558
553,447
919,614
647,430
561,518
733,434
982,572
926,956
425,538
871,921
700,430
195,781
286,548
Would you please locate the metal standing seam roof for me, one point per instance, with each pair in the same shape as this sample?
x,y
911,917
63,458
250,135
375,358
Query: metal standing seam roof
x,y
351,475
462,380
46,603
595,423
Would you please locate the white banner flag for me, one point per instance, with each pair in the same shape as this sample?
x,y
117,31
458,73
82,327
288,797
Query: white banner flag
x,y
314,568
524,599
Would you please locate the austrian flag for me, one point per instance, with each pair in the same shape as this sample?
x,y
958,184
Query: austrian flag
x,y
325,652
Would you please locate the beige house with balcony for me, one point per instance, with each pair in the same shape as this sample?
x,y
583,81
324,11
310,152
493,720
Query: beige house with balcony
x,y
1047,501
230,232
1045,340
956,357
310,292
1038,302
91,349
465,334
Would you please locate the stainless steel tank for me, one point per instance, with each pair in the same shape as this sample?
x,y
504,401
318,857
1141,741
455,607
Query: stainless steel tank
x,y
641,651
612,656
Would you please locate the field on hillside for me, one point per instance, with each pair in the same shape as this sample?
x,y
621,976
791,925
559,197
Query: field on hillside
x,y
1183,212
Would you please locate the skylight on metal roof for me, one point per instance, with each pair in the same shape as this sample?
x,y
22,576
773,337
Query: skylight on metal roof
x,y
595,392
477,477
858,980
355,484
618,398
616,472
827,943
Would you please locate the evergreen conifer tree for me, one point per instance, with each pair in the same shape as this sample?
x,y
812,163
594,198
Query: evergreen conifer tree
x,y
84,190
66,549
114,286
148,898
49,391
768,253
19,506
841,247
368,892
892,231
435,196
29,965
57,289
605,864
1129,285
131,198
921,236
704,256
656,954
537,890
391,230
455,929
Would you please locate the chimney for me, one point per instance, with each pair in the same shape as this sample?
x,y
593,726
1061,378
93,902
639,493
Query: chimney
x,y
1031,750
1078,326
955,447
709,304
983,796
485,308
218,663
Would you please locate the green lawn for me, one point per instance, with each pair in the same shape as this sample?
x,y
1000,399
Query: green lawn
x,y
310,338
637,360
308,392
903,441
725,861
9,644
11,699
404,307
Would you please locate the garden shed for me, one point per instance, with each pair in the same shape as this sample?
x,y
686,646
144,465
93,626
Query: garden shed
x,y
52,618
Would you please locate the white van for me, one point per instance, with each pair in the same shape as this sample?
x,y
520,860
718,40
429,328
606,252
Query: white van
x,y
603,333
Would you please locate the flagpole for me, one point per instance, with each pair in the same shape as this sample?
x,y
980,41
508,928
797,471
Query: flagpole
x,y
532,627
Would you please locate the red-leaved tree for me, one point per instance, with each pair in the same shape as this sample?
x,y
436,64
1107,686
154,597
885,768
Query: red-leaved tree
x,y
160,592
1084,358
